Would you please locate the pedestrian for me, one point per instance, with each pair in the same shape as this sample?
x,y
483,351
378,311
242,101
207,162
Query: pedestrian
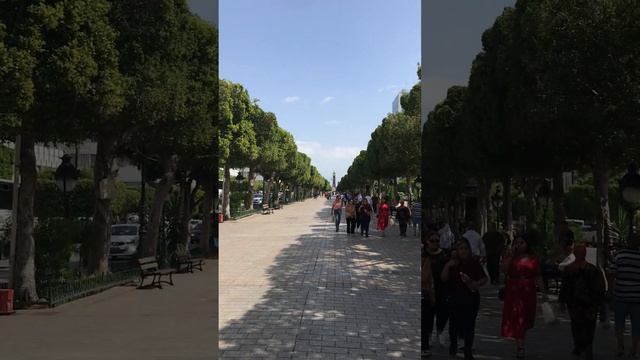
x,y
416,216
403,215
350,214
475,240
446,236
523,275
365,217
582,292
383,216
428,299
438,308
358,206
465,276
625,270
494,244
337,211
374,202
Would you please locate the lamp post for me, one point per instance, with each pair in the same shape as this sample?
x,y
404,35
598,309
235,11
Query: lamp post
x,y
630,193
545,193
66,176
496,202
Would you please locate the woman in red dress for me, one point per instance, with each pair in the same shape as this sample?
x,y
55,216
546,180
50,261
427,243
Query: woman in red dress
x,y
383,216
523,275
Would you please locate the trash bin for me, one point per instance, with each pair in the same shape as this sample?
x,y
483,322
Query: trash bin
x,y
6,301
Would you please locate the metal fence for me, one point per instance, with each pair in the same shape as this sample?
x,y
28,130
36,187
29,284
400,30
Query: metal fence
x,y
58,292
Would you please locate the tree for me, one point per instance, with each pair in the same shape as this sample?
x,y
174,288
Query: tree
x,y
60,71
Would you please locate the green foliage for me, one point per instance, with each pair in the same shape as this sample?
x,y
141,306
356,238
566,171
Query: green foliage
x,y
6,162
55,239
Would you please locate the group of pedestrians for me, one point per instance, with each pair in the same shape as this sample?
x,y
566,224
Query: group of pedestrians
x,y
359,210
455,267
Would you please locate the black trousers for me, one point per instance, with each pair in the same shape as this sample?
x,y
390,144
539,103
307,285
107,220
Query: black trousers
x,y
462,323
364,225
403,229
493,267
439,311
583,327
351,225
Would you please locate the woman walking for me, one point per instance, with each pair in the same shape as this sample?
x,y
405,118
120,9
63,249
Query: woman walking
x,y
428,300
365,217
583,291
437,308
337,211
350,214
464,276
523,276
383,216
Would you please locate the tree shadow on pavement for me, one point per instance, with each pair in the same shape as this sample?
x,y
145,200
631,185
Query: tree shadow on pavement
x,y
334,296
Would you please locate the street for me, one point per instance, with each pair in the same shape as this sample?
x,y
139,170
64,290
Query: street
x,y
291,287
177,322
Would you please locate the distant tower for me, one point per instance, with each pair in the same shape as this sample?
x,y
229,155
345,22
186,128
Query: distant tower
x,y
333,183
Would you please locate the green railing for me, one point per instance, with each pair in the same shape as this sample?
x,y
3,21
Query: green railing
x,y
239,214
60,292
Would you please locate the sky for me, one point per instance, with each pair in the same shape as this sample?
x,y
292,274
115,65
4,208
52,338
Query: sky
x,y
328,69
206,9
451,38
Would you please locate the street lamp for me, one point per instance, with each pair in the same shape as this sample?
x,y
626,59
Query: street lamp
x,y
496,202
630,193
66,176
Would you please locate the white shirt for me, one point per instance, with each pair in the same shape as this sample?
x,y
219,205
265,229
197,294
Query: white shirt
x,y
475,240
567,261
369,200
446,237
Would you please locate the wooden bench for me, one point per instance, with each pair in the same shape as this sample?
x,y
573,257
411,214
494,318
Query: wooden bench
x,y
266,209
183,258
149,268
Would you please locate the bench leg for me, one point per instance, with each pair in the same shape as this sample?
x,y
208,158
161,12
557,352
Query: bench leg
x,y
141,281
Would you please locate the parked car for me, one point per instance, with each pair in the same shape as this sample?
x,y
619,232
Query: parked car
x,y
124,241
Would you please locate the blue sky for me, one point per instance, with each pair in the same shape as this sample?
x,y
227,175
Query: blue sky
x,y
206,9
450,41
328,69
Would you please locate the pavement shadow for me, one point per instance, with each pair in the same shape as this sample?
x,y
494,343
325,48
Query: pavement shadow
x,y
334,295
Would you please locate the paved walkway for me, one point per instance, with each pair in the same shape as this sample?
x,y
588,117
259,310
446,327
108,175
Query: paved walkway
x,y
177,322
293,288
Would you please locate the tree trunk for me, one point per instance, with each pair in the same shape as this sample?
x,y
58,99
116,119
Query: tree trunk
x,y
226,193
185,213
601,174
409,186
529,188
24,268
508,206
155,217
207,206
482,213
248,201
98,261
557,194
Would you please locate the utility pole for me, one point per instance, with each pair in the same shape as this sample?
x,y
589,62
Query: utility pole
x,y
14,210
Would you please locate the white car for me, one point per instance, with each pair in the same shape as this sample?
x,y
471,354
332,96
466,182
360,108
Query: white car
x,y
124,241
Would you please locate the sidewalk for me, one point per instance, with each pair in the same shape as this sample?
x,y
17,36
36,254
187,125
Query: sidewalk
x,y
293,288
177,322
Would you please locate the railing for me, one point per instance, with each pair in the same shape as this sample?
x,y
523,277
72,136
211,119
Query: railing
x,y
239,214
62,291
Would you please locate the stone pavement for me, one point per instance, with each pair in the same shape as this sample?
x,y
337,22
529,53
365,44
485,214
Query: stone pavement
x,y
293,288
177,322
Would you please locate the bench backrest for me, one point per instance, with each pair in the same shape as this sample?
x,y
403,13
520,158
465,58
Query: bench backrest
x,y
182,252
148,263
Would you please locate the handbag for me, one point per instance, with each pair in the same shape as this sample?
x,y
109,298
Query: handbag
x,y
547,313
